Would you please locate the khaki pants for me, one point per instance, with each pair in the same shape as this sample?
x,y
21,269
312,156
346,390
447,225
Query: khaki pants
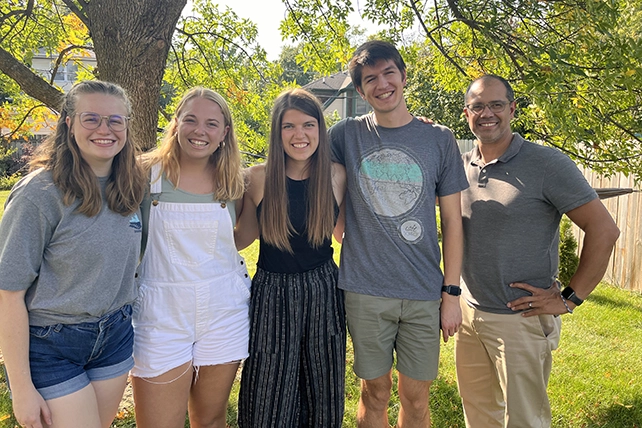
x,y
503,365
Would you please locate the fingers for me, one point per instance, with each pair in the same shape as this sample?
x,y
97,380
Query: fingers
x,y
46,414
449,332
524,286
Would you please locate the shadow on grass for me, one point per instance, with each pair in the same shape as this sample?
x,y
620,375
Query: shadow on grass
x,y
617,415
620,304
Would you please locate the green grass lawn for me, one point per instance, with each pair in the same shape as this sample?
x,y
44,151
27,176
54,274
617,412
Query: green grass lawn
x,y
596,379
3,198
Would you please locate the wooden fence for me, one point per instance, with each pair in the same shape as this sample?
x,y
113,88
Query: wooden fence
x,y
625,265
465,145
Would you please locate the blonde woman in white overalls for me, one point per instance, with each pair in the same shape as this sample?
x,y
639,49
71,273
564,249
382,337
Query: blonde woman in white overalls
x,y
191,318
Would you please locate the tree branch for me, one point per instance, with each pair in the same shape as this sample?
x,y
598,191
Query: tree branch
x,y
61,56
24,119
26,12
303,31
79,11
441,49
31,83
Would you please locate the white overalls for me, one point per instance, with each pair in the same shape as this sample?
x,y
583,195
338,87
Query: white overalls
x,y
194,289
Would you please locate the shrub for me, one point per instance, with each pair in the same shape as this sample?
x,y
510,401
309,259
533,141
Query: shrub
x,y
8,181
7,154
568,251
15,155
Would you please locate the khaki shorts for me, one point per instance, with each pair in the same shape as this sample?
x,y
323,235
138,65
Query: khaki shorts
x,y
380,325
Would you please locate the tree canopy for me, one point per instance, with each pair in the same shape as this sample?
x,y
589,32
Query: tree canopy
x,y
576,64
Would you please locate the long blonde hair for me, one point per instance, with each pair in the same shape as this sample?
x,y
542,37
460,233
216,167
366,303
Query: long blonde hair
x,y
60,154
226,160
274,222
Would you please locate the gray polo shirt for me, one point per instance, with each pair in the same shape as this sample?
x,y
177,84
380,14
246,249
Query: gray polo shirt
x,y
511,214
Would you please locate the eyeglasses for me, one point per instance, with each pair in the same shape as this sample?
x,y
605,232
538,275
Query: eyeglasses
x,y
495,107
92,121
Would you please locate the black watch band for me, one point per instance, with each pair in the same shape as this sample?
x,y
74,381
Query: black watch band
x,y
453,290
569,294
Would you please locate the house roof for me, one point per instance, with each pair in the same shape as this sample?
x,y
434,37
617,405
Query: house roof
x,y
334,83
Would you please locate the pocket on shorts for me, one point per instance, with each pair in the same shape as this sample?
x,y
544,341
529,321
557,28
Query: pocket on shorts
x,y
127,312
143,307
243,283
191,243
43,332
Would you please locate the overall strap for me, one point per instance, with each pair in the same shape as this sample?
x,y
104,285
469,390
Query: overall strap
x,y
155,189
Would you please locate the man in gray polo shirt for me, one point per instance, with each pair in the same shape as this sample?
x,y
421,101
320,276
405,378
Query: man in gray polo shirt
x,y
511,300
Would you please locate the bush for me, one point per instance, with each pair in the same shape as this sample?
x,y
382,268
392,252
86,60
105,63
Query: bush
x,y
15,155
568,251
8,181
7,154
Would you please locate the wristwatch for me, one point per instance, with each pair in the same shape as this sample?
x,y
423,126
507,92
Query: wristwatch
x,y
453,290
569,294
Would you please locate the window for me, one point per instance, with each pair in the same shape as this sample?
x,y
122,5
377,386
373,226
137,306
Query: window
x,y
66,72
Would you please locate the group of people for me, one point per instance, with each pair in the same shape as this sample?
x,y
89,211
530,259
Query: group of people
x,y
113,262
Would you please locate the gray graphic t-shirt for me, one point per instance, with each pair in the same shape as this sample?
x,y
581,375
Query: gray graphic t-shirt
x,y
390,248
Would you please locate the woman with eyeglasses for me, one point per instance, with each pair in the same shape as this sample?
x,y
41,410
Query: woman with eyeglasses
x,y
69,246
191,318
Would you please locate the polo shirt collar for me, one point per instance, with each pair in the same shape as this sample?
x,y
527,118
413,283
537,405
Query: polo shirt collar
x,y
515,145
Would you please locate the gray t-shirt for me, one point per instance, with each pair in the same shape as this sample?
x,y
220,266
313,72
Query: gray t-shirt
x,y
75,268
390,248
511,215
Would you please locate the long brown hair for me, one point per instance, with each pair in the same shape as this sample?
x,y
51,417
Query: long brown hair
x,y
60,154
226,159
274,223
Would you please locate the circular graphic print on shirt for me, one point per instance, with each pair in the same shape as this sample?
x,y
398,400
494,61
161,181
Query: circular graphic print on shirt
x,y
391,182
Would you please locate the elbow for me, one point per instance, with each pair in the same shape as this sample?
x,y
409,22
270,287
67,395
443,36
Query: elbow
x,y
609,234
613,234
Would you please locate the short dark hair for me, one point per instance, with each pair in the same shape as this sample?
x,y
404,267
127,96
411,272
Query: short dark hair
x,y
510,94
368,54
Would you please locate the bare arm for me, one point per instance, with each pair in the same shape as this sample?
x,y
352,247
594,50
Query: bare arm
x,y
600,236
339,191
28,404
247,225
453,250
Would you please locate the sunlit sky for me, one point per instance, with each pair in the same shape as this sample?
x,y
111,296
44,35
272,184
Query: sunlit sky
x,y
267,15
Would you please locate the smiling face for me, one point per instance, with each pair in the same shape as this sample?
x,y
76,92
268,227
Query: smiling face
x,y
489,127
99,146
201,128
382,87
300,135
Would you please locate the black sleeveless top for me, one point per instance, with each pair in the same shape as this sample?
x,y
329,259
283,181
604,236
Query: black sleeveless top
x,y
305,257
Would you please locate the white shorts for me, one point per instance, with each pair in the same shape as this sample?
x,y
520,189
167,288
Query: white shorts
x,y
204,322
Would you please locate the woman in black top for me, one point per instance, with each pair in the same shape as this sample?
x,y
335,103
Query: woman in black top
x,y
294,375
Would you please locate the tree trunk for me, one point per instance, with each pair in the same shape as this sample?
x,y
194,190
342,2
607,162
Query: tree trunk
x,y
132,39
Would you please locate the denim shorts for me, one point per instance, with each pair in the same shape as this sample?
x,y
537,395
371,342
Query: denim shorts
x,y
65,358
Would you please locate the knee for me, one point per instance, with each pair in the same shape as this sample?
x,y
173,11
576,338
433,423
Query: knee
x,y
375,394
415,398
418,407
212,421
